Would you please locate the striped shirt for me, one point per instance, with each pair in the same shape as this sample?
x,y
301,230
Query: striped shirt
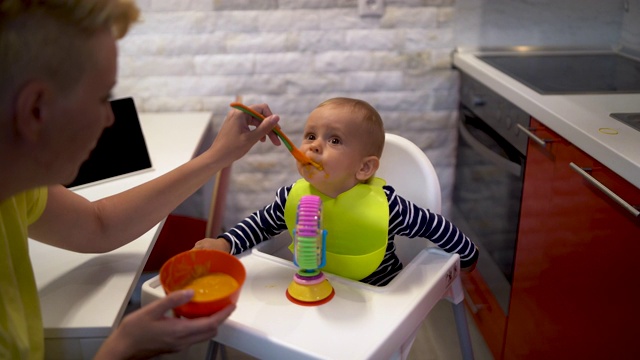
x,y
405,219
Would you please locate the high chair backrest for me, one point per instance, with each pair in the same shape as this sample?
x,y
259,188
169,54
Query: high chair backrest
x,y
407,168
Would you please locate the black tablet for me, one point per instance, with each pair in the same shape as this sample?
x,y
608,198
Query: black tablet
x,y
121,149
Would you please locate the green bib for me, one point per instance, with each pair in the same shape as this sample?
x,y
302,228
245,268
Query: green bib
x,y
357,224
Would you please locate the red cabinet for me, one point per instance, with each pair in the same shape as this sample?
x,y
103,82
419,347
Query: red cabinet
x,y
485,310
575,292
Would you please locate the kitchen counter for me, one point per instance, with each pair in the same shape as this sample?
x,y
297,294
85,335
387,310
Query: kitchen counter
x,y
581,119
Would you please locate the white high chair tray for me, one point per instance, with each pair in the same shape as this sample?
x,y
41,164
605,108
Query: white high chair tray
x,y
360,322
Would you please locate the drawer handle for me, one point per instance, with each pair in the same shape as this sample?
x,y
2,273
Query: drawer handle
x,y
532,136
605,190
472,305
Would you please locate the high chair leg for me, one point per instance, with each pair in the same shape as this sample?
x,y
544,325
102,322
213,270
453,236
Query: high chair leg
x,y
456,297
463,330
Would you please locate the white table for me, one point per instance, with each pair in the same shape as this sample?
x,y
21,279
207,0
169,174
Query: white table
x,y
83,296
360,322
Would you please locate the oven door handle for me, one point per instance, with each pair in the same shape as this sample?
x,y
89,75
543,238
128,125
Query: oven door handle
x,y
501,162
532,136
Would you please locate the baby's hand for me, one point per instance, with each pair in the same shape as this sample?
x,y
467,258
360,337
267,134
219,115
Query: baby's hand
x,y
213,244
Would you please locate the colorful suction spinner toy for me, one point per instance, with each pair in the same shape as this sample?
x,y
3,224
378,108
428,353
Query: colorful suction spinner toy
x,y
310,286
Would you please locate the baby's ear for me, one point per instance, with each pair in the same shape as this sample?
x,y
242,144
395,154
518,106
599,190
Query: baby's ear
x,y
368,168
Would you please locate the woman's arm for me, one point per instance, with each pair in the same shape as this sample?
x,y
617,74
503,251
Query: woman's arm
x,y
147,332
72,222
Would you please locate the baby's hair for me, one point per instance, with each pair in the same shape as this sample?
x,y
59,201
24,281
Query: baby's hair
x,y
373,127
47,39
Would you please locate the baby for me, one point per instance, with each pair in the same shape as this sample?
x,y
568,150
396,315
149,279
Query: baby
x,y
346,136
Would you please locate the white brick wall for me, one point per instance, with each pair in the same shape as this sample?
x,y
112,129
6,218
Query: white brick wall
x,y
197,55
556,23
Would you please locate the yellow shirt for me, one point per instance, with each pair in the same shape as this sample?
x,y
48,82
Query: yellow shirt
x,y
21,334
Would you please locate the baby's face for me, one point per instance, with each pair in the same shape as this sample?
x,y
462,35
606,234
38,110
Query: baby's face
x,y
333,138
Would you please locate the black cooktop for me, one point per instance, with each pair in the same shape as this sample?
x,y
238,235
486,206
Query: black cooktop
x,y
550,74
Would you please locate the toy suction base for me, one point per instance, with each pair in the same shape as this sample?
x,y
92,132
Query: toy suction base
x,y
310,295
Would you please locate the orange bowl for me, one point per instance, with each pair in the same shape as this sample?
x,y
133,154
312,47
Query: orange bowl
x,y
183,268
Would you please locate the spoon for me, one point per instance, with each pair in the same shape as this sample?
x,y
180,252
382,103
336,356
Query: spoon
x,y
299,155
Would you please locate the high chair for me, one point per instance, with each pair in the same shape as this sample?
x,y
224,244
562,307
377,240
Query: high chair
x,y
361,321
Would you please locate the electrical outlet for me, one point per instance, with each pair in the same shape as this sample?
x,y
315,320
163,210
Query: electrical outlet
x,y
371,7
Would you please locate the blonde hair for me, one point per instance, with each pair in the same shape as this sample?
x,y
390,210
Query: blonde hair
x,y
373,127
48,39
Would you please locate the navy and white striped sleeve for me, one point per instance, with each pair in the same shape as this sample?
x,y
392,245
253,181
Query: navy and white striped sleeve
x,y
259,226
410,220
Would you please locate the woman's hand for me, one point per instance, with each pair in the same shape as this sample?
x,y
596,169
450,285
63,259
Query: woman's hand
x,y
240,131
149,332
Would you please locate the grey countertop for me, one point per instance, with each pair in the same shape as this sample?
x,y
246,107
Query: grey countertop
x,y
582,119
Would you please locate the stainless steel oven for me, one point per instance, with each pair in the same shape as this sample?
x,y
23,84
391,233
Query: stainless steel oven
x,y
489,177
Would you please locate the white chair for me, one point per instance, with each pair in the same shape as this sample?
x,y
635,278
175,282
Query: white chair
x,y
429,275
408,169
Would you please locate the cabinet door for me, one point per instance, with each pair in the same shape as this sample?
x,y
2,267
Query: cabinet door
x,y
574,288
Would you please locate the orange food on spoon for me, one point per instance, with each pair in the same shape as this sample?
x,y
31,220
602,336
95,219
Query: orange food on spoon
x,y
301,157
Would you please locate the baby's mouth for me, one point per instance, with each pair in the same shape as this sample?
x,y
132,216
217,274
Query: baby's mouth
x,y
312,169
314,163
